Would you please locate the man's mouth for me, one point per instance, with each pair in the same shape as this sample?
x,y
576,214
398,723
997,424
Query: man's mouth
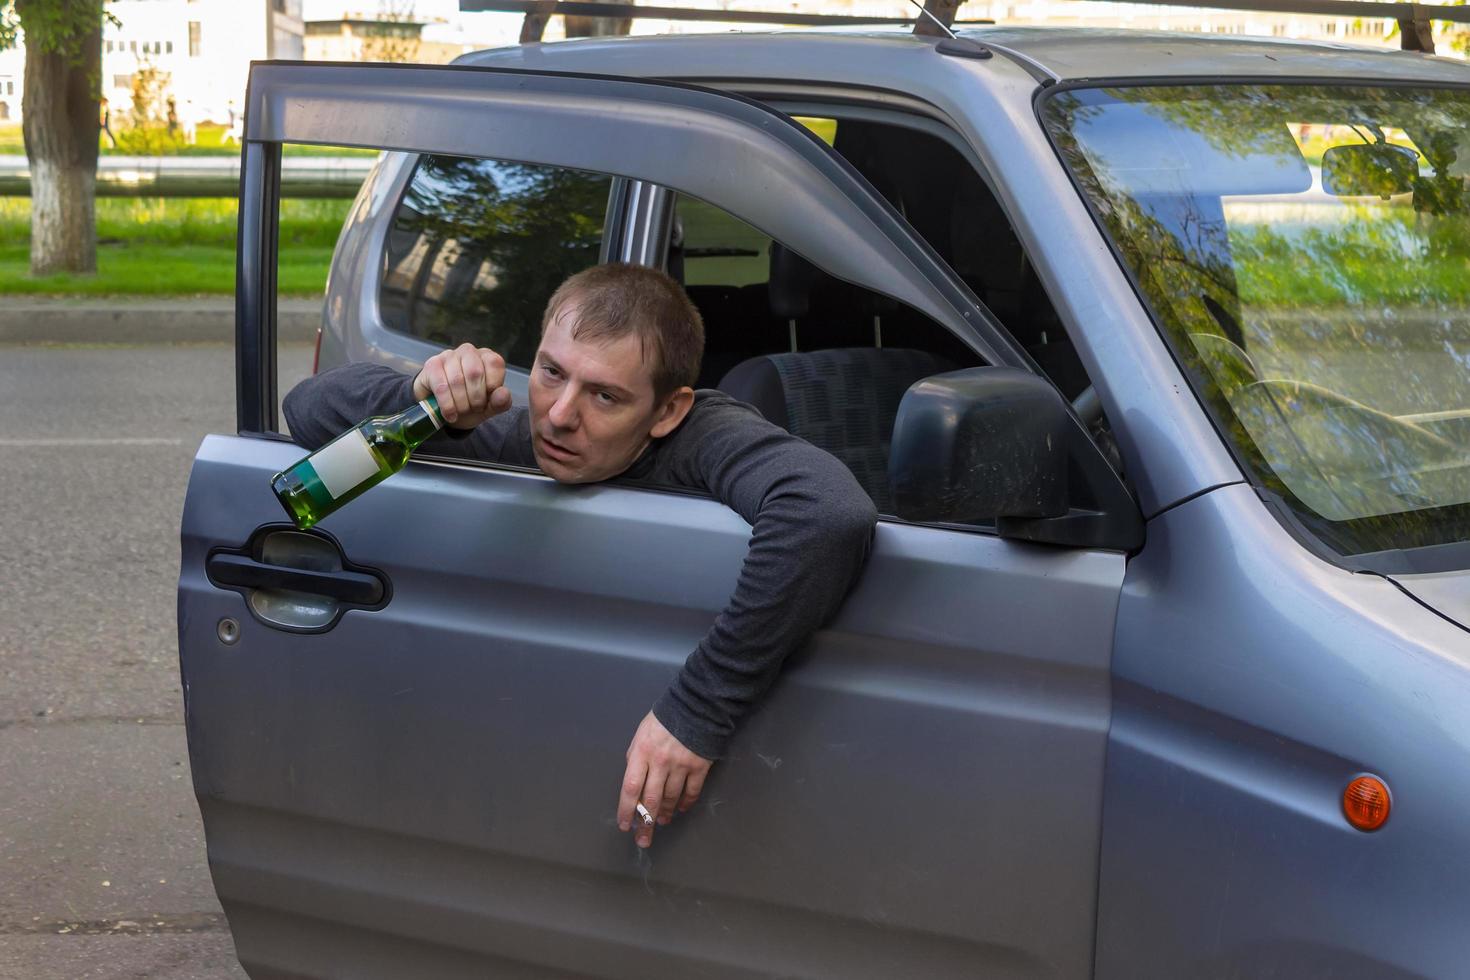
x,y
555,450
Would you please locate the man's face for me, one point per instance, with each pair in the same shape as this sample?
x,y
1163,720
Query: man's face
x,y
593,409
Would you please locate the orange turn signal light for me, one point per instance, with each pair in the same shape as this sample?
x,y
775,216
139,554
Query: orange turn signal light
x,y
1366,803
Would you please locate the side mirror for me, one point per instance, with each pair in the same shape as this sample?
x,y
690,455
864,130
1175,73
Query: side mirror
x,y
1369,169
1002,443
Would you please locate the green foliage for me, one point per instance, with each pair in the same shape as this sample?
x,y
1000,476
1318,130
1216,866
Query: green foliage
x,y
53,26
174,246
9,25
1402,260
147,133
394,36
1459,33
161,270
187,221
208,142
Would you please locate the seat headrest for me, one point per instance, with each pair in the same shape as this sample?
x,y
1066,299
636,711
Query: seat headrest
x,y
796,286
842,400
793,280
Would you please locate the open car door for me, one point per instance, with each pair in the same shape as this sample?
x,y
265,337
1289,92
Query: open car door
x,y
407,726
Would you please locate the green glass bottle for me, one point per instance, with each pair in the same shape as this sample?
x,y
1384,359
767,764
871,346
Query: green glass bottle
x,y
357,460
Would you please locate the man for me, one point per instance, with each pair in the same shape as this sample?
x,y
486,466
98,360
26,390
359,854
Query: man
x,y
611,395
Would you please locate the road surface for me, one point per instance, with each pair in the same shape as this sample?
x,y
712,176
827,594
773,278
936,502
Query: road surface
x,y
102,862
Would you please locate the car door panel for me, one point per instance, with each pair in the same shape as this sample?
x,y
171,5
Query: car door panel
x,y
922,786
429,788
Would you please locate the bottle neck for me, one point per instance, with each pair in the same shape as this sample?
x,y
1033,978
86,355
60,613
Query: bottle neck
x,y
421,421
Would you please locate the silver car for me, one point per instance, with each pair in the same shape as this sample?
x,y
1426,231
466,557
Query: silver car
x,y
1152,351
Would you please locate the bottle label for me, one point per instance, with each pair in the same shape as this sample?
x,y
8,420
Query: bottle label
x,y
433,412
345,463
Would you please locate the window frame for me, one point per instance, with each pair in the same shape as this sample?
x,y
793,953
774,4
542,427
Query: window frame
x,y
304,102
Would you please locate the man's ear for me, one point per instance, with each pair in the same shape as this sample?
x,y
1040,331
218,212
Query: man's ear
x,y
671,413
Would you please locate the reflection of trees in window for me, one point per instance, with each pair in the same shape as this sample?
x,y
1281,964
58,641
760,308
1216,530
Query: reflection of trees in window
x,y
1343,381
477,247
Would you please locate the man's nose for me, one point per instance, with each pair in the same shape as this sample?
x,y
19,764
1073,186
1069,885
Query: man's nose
x,y
563,413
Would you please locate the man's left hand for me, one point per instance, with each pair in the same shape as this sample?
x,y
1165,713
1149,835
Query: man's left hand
x,y
662,774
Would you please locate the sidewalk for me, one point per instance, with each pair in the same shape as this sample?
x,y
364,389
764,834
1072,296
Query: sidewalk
x,y
142,320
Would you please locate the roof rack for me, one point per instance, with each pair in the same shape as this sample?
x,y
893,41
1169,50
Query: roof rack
x,y
538,12
1414,19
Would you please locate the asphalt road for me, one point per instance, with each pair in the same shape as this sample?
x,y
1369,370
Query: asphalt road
x,y
102,861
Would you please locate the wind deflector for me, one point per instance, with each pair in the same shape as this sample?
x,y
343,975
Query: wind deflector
x,y
699,142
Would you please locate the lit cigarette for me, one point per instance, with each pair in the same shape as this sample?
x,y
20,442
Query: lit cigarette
x,y
647,817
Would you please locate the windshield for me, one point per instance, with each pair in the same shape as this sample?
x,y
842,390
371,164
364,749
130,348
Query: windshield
x,y
1306,250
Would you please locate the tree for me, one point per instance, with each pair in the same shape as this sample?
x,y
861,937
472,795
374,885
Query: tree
x,y
148,133
395,35
60,102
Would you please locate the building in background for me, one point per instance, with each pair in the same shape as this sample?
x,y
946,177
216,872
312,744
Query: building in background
x,y
12,74
200,51
201,48
388,36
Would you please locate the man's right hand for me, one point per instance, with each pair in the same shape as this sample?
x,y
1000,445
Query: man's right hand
x,y
468,383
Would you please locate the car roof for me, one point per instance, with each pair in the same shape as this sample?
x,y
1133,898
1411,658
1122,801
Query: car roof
x,y
1063,53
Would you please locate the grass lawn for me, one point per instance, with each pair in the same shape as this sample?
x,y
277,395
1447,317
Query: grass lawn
x,y
173,247
160,270
209,142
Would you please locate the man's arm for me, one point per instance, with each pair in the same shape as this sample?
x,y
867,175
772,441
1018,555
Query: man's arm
x,y
467,383
811,530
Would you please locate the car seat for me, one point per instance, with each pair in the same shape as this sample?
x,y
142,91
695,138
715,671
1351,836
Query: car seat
x,y
842,400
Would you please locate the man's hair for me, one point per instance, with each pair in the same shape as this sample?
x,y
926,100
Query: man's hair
x,y
618,299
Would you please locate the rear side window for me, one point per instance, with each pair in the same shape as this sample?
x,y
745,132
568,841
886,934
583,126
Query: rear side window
x,y
477,247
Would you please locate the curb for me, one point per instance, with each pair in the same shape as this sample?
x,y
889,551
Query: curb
x,y
124,320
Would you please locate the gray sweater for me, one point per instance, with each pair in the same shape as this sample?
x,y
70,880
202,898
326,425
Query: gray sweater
x,y
811,527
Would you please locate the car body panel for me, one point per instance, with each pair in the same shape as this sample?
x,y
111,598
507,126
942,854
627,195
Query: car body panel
x,y
1447,593
1253,682
922,786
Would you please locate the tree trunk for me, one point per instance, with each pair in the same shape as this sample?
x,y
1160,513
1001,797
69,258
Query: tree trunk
x,y
61,125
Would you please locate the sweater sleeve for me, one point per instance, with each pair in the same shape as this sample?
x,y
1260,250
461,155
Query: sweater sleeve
x,y
325,405
811,531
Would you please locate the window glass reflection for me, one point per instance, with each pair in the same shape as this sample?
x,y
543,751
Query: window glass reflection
x,y
477,247
1307,250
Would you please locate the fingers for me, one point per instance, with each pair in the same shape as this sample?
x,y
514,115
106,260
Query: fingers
x,y
454,376
493,366
692,788
468,383
497,398
663,775
673,790
653,795
473,367
632,792
433,380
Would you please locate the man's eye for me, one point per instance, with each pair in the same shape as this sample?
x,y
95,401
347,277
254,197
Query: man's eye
x,y
606,398
551,372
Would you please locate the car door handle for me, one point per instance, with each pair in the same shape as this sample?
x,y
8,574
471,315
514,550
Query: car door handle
x,y
245,572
